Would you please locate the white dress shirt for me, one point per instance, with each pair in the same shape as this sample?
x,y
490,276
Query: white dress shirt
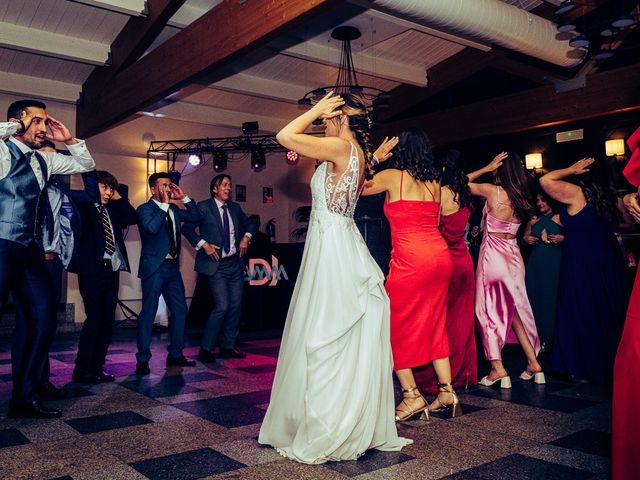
x,y
79,161
165,207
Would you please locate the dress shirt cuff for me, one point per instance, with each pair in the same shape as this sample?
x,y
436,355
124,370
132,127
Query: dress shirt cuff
x,y
248,235
200,244
186,199
78,149
7,129
164,206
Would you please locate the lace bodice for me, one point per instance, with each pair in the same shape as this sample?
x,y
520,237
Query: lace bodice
x,y
337,192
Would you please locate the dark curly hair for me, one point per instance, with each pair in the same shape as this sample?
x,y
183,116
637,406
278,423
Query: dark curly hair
x,y
414,154
597,187
454,177
360,125
510,176
536,190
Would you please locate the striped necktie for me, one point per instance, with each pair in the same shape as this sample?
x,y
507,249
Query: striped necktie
x,y
109,244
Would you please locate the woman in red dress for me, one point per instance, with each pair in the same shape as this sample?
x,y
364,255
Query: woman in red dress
x,y
625,428
419,272
455,206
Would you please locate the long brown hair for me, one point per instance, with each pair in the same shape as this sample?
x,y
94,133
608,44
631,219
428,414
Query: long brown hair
x,y
360,124
511,177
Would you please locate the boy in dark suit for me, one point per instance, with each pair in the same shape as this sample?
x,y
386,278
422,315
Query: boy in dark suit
x,y
159,224
99,258
222,239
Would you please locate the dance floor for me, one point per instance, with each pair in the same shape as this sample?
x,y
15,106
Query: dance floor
x,y
203,422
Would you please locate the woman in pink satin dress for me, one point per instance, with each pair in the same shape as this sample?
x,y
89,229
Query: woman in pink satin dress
x,y
501,296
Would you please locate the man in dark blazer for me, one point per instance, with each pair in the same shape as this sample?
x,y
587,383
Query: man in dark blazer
x,y
221,240
98,260
159,226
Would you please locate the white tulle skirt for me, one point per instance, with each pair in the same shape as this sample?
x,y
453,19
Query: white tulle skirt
x,y
332,396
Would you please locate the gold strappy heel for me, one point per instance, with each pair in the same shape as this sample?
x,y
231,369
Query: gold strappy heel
x,y
411,393
455,408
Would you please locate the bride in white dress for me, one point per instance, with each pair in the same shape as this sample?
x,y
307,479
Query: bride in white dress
x,y
332,396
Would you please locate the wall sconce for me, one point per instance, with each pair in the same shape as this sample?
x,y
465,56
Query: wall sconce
x,y
614,147
533,161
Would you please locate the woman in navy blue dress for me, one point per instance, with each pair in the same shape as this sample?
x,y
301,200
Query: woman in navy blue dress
x,y
592,298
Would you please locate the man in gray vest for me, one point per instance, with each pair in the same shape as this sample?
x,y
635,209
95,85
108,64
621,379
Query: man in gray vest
x,y
23,177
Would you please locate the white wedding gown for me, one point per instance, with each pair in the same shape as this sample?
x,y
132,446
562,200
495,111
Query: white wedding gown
x,y
332,396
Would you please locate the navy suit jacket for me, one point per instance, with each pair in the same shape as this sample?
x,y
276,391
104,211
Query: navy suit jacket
x,y
211,230
90,250
154,234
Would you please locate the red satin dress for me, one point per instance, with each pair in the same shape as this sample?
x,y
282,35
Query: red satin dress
x,y
625,428
418,281
460,306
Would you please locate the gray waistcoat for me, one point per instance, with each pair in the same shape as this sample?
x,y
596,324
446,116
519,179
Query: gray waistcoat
x,y
19,198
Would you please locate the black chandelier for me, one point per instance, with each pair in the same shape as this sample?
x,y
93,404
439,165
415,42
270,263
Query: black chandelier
x,y
347,81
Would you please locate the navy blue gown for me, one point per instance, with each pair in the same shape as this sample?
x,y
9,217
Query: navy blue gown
x,y
592,299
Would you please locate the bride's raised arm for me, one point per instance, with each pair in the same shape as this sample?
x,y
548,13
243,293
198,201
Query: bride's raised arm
x,y
333,149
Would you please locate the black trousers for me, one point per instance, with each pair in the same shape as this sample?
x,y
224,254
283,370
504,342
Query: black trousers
x,y
99,291
23,273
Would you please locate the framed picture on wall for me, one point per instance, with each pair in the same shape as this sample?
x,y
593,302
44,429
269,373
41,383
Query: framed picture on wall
x,y
241,193
267,195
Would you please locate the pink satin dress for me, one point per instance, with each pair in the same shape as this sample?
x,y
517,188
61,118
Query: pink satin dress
x,y
500,288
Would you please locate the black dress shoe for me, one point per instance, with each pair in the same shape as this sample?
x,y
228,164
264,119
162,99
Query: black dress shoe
x,y
105,377
231,353
180,361
49,391
32,410
142,368
83,377
205,356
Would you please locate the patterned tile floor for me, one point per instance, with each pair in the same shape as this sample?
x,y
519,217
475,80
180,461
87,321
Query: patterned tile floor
x,y
202,422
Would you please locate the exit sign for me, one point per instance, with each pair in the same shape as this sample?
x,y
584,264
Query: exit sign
x,y
569,135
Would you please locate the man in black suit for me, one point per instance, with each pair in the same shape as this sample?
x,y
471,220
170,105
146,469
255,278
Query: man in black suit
x,y
98,260
159,226
222,239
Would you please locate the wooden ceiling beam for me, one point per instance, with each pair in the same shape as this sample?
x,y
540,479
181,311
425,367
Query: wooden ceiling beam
x,y
606,92
219,36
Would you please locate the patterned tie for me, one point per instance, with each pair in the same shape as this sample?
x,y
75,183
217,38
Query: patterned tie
x,y
109,244
173,250
225,226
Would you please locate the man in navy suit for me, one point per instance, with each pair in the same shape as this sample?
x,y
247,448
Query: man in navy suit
x,y
222,239
159,226
23,177
100,257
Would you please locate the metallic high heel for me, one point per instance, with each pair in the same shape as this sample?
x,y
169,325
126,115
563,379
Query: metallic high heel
x,y
537,377
408,411
455,408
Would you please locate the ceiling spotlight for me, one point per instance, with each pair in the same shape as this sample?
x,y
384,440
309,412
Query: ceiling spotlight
x,y
565,7
579,42
194,159
602,54
566,26
219,161
258,161
623,21
292,157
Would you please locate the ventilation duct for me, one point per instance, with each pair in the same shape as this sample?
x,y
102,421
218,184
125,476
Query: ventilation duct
x,y
490,21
